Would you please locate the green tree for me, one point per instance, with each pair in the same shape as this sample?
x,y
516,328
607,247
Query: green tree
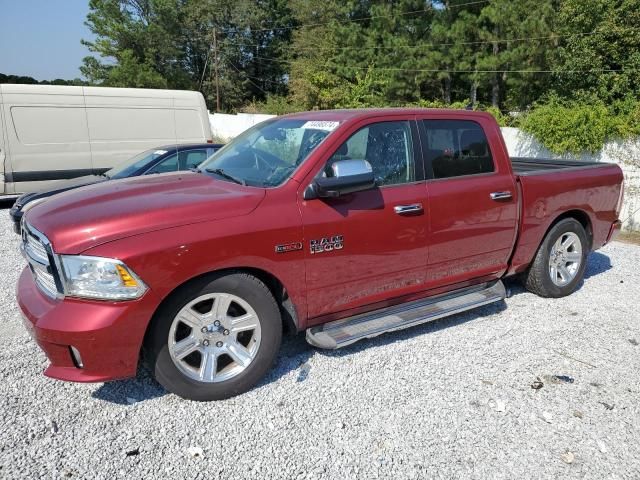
x,y
170,44
600,51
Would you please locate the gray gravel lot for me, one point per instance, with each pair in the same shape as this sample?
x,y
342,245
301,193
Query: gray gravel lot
x,y
448,399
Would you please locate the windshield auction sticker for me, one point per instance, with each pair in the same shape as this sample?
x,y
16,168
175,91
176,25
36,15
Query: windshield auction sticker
x,y
321,125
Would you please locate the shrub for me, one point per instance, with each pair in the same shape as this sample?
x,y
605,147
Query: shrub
x,y
583,125
273,105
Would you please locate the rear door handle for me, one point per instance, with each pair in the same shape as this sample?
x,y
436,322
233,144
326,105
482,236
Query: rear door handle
x,y
408,209
500,195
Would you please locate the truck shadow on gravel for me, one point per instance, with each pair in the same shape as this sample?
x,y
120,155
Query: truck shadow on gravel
x,y
417,331
130,391
296,353
597,263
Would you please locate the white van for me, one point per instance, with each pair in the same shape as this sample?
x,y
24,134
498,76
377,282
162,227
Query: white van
x,y
50,133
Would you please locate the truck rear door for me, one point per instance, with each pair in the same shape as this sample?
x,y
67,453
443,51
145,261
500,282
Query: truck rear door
x,y
473,209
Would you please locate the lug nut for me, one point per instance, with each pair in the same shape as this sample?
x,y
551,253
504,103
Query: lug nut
x,y
206,343
218,344
204,329
226,332
216,323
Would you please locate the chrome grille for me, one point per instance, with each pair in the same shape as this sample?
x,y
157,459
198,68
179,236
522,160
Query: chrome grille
x,y
35,249
34,246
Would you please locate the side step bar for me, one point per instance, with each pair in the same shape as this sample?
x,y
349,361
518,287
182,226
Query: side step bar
x,y
341,333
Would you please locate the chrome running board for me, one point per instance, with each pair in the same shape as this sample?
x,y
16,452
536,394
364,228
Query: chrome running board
x,y
341,333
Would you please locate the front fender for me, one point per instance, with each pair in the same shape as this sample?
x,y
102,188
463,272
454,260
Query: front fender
x,y
166,259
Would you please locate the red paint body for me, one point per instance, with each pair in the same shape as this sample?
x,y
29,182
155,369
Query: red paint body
x,y
172,228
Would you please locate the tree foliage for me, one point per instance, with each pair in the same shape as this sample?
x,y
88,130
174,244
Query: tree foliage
x,y
170,44
579,59
21,79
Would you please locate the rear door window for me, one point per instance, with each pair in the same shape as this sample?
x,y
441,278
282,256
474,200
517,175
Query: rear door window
x,y
456,148
192,158
169,164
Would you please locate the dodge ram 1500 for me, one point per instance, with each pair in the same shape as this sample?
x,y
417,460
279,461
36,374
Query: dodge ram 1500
x,y
344,224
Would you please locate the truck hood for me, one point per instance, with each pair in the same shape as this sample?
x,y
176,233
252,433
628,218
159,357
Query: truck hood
x,y
83,218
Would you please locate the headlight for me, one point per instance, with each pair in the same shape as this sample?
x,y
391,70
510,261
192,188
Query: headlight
x,y
100,278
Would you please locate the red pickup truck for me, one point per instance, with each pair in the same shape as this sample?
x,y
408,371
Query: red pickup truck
x,y
344,224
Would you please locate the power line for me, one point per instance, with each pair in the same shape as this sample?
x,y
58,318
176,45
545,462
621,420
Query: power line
x,y
248,78
425,45
439,70
361,19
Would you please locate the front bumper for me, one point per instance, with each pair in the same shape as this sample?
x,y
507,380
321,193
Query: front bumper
x,y
107,335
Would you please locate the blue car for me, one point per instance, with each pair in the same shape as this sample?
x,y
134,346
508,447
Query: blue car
x,y
168,158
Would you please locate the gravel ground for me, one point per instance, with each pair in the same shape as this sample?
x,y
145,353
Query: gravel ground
x,y
448,399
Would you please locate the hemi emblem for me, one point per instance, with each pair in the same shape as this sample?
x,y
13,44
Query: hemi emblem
x,y
288,247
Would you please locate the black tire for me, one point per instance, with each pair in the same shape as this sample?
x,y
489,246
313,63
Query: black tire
x,y
538,279
243,285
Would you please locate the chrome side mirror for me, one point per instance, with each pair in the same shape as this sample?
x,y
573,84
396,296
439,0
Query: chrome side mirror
x,y
348,176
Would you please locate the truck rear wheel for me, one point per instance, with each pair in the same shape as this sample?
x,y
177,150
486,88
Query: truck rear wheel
x,y
216,339
560,261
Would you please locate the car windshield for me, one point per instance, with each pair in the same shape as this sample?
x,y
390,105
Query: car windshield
x,y
268,153
132,165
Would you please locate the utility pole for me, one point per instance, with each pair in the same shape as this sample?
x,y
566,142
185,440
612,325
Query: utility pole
x,y
215,69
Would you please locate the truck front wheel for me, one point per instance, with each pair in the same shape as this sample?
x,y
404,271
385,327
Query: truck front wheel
x,y
560,262
216,339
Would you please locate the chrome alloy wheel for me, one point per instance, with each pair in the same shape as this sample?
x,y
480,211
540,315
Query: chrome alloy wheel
x,y
565,259
214,337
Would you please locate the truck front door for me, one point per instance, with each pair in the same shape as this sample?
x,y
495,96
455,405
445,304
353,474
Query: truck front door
x,y
363,248
472,202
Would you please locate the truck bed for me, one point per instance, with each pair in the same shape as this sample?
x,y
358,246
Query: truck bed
x,y
589,191
531,166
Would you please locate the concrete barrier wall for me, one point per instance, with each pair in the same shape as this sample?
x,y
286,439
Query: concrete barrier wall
x,y
519,144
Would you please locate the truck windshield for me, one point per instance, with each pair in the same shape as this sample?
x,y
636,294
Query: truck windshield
x,y
268,153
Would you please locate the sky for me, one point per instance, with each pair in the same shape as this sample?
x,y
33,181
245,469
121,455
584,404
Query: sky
x,y
41,38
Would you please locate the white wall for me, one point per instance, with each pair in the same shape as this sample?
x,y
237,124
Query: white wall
x,y
225,127
521,144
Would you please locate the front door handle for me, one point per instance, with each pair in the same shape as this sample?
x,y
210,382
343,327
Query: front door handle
x,y
500,195
412,209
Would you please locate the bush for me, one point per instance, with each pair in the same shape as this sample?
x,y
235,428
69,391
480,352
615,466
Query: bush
x,y
273,105
585,125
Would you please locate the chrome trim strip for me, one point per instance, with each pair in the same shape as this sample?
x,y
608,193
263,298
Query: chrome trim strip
x,y
413,208
500,195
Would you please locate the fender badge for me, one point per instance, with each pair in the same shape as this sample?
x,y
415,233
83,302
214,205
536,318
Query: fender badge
x,y
288,247
326,244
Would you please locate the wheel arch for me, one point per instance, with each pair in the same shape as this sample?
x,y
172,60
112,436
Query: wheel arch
x,y
581,216
524,253
288,311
